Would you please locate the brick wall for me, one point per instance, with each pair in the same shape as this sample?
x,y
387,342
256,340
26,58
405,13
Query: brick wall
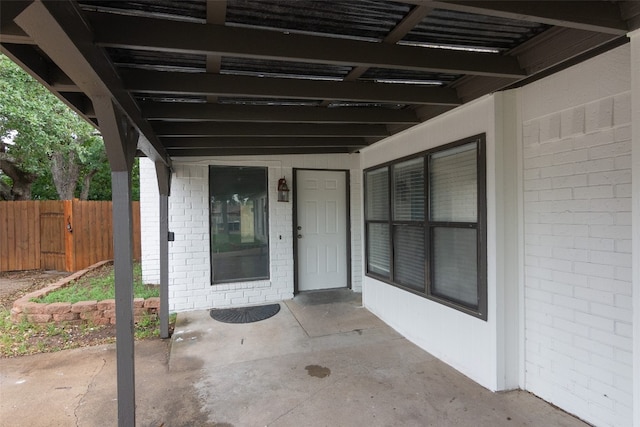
x,y
149,222
577,204
82,312
189,263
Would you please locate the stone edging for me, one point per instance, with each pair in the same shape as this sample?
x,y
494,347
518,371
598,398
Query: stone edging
x,y
94,312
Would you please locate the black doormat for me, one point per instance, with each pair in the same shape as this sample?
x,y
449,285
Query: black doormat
x,y
245,314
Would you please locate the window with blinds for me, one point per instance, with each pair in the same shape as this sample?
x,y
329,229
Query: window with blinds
x,y
408,190
425,224
377,216
378,194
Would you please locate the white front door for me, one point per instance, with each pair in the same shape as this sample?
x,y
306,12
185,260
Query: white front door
x,y
321,229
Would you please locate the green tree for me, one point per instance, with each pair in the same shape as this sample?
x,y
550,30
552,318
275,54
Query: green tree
x,y
42,140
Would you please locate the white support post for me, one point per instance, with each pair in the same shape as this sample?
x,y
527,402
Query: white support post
x,y
635,210
508,292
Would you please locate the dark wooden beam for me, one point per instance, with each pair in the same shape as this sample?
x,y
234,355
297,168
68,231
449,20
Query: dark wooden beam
x,y
120,140
630,11
268,129
557,45
9,31
270,114
216,14
163,174
427,112
60,82
226,85
188,37
80,103
407,23
171,143
257,151
549,52
597,16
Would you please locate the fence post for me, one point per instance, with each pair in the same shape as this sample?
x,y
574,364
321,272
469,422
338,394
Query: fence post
x,y
69,250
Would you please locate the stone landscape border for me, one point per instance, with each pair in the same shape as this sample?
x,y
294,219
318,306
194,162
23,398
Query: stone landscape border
x,y
89,312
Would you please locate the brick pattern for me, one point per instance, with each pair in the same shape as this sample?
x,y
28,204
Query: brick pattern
x,y
189,264
577,204
149,222
91,312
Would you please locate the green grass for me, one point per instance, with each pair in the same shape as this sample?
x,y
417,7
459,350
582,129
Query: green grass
x,y
98,289
24,337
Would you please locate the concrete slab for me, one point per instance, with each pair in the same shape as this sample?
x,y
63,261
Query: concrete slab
x,y
318,363
315,363
332,312
78,388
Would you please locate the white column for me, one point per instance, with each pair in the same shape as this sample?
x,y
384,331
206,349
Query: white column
x,y
508,293
635,142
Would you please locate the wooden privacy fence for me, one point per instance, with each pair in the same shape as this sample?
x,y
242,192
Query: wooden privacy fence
x,y
63,235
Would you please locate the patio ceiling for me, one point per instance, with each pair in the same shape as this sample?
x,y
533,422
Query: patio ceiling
x,y
214,77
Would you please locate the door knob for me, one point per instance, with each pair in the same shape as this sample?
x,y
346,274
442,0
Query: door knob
x,y
299,236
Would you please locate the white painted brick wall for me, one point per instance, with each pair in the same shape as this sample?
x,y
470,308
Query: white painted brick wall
x,y
150,222
577,204
189,263
357,219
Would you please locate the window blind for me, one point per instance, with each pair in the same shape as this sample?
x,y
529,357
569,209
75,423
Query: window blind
x,y
408,190
424,223
378,251
454,184
377,183
409,257
455,264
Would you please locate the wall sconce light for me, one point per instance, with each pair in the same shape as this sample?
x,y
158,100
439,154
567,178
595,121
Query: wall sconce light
x,y
283,190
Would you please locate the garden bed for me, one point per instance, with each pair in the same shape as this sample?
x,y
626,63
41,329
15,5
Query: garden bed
x,y
93,312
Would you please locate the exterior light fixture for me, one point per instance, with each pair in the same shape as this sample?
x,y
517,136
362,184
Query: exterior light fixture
x,y
283,190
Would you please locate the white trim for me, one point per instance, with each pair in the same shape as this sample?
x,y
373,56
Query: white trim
x,y
522,371
635,212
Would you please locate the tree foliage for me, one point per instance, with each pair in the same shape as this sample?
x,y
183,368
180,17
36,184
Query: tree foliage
x,y
45,145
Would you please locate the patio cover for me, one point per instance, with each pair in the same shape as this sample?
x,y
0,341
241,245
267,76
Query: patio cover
x,y
170,78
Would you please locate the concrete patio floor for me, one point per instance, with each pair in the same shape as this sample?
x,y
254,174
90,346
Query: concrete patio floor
x,y
323,360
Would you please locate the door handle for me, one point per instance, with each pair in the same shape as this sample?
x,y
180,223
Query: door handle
x,y
299,236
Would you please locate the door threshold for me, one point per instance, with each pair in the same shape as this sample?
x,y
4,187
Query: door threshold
x,y
327,296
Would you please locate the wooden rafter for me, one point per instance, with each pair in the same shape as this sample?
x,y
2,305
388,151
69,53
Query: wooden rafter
x,y
189,37
228,85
